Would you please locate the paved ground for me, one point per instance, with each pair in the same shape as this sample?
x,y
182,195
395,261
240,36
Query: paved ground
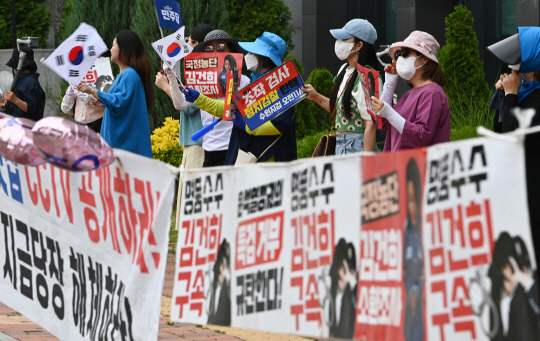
x,y
14,326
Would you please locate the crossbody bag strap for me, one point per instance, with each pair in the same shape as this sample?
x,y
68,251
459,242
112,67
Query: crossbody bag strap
x,y
271,144
337,102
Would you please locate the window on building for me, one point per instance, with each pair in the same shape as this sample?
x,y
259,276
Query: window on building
x,y
391,21
508,17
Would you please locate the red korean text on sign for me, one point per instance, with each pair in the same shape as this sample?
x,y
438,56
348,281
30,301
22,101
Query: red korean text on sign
x,y
259,240
200,244
461,238
314,236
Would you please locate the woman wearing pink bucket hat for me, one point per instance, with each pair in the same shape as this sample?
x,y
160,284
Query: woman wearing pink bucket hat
x,y
421,117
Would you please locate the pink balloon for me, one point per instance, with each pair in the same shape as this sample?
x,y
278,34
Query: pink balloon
x,y
16,143
71,145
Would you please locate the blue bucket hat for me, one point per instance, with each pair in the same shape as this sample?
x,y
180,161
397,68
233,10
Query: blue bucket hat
x,y
359,28
268,45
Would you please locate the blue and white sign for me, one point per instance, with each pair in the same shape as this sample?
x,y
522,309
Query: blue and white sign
x,y
168,13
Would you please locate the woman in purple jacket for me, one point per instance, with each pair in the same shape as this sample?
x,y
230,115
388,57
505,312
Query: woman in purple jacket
x,y
421,117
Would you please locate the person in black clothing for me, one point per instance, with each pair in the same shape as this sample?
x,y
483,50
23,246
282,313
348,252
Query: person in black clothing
x,y
514,292
522,53
27,100
343,288
220,299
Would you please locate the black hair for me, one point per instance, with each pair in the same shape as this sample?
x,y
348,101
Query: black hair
x,y
367,56
100,80
371,83
198,32
223,255
231,60
132,53
343,252
506,247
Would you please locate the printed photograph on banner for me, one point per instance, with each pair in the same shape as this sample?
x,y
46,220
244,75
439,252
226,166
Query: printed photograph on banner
x,y
173,47
100,75
391,298
323,243
75,56
369,79
204,252
270,95
259,271
84,253
481,276
206,72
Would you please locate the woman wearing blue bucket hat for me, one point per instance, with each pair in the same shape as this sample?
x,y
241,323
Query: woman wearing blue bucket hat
x,y
274,140
347,103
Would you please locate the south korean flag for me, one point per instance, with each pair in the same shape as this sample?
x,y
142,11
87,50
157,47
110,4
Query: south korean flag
x,y
173,47
76,55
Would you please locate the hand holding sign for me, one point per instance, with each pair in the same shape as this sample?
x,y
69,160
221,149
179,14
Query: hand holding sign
x,y
191,94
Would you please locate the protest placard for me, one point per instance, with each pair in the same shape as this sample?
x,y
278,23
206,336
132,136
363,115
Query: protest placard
x,y
206,72
270,95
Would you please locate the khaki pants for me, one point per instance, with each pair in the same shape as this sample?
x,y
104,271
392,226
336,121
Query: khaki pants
x,y
193,157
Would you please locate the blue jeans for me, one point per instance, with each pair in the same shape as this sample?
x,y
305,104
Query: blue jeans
x,y
348,143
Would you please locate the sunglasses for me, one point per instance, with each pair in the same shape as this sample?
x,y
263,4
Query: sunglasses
x,y
219,48
401,53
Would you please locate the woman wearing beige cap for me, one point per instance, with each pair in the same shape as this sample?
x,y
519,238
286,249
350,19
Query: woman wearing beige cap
x,y
421,117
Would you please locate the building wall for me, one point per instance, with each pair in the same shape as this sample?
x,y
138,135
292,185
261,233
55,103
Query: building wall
x,y
319,16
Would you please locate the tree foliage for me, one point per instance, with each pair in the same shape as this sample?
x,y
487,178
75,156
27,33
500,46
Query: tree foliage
x,y
32,20
248,19
463,69
310,117
107,16
196,12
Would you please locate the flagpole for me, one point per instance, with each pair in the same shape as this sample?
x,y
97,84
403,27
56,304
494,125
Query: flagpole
x,y
157,17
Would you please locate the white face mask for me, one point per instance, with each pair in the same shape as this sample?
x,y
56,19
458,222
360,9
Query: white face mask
x,y
251,62
405,67
343,49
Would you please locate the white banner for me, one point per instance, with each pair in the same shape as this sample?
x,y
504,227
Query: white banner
x,y
83,254
395,246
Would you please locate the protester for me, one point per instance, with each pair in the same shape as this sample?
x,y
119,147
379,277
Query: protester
x,y
190,115
197,34
83,107
421,117
274,140
347,103
216,141
125,122
522,52
27,98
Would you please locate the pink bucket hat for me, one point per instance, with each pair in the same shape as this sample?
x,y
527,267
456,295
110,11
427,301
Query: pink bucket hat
x,y
421,42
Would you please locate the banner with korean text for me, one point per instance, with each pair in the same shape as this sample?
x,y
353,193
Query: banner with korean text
x,y
206,72
410,245
267,97
83,254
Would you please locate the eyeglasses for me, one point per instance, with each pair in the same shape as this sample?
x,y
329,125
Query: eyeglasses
x,y
219,48
401,53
